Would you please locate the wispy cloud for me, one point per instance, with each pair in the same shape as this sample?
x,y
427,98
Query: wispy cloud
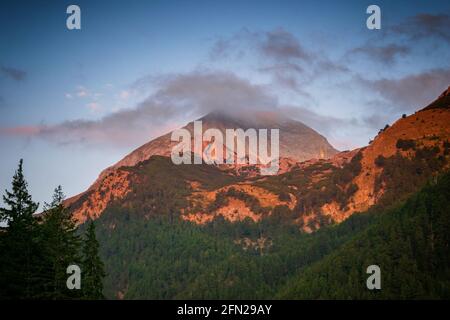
x,y
279,54
82,92
174,99
178,99
282,45
124,94
94,107
13,73
21,131
410,92
326,124
386,54
424,25
277,44
400,40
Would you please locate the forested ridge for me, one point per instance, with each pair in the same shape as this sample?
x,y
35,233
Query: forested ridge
x,y
146,251
411,244
163,258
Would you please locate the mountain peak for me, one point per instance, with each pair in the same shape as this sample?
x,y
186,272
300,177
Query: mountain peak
x,y
298,142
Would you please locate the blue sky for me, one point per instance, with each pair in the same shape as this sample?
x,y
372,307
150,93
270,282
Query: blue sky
x,y
73,102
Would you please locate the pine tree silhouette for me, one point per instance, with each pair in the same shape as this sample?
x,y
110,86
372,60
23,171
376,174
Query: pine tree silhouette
x,y
19,247
93,269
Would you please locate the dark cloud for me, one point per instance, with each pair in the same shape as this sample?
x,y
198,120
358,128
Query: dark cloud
x,y
208,91
328,66
282,46
13,73
410,92
220,49
280,54
386,54
278,44
283,67
424,26
288,75
407,32
234,46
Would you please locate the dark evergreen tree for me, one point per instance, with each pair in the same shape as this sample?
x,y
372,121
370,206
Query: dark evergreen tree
x,y
61,245
19,247
93,269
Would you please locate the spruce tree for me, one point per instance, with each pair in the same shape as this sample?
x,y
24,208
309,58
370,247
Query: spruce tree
x,y
93,269
61,247
19,242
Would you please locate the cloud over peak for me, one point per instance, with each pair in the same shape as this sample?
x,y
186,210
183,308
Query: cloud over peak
x,y
177,100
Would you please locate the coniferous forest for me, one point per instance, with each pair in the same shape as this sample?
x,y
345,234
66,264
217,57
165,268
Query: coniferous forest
x,y
136,257
36,250
179,260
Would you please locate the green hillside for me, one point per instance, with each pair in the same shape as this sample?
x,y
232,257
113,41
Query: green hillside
x,y
409,243
165,258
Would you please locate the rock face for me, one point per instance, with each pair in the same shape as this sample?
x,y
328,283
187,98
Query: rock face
x,y
298,142
428,128
315,186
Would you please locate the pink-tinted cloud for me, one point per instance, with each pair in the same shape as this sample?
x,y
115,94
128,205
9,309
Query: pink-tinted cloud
x,y
21,131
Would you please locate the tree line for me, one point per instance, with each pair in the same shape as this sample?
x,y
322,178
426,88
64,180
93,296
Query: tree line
x,y
164,258
37,249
